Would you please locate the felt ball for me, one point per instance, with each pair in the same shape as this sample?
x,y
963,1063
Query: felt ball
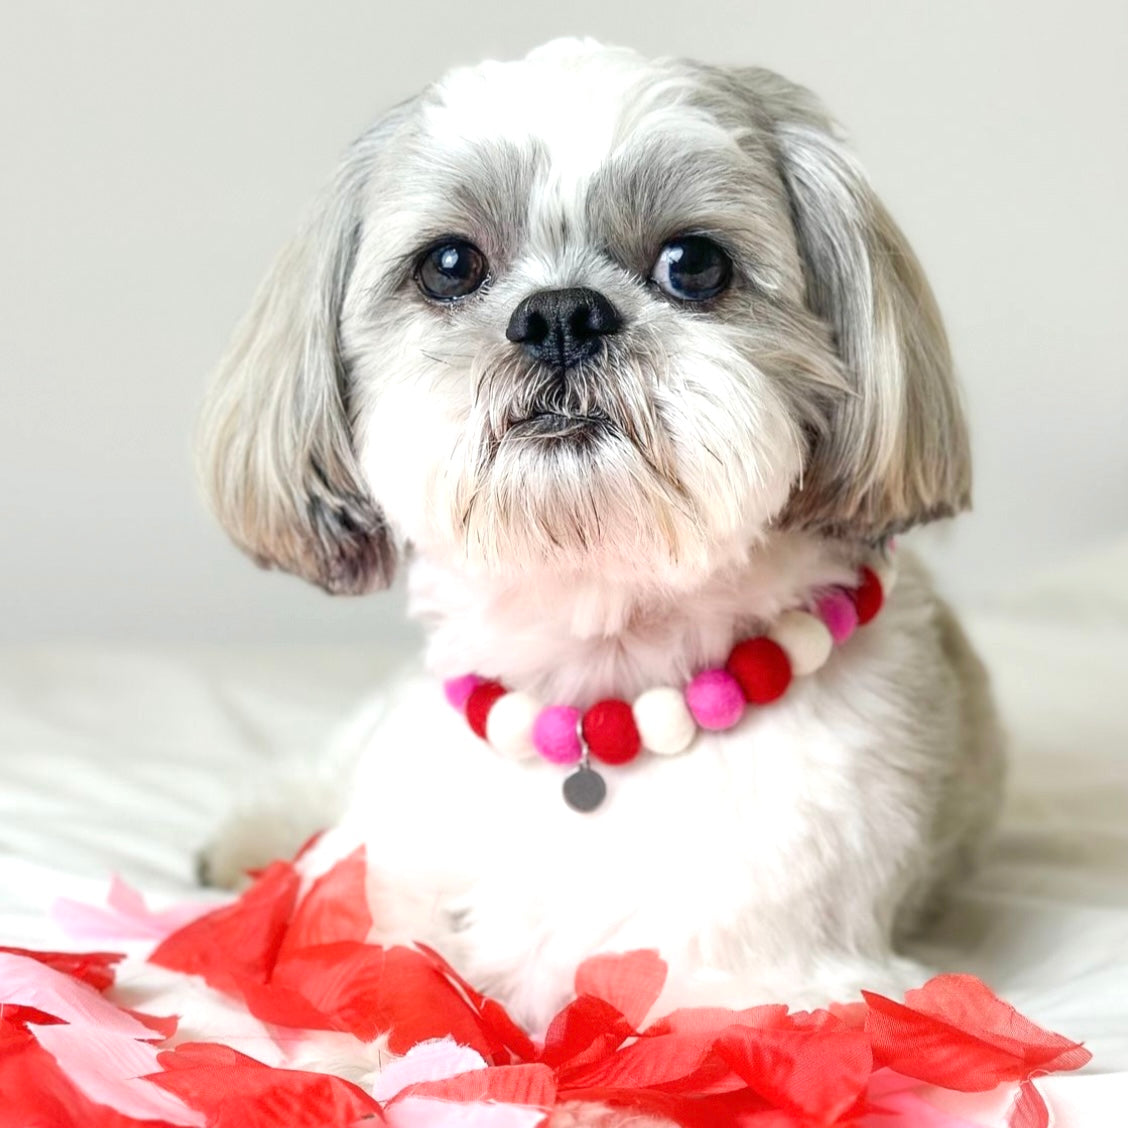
x,y
509,727
610,732
458,690
868,596
761,669
556,734
715,699
665,724
479,704
805,639
836,609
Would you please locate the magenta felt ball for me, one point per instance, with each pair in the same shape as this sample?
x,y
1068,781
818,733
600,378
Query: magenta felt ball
x,y
715,699
458,690
837,610
556,734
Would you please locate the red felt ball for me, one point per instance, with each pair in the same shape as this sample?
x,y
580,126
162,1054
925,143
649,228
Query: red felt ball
x,y
868,596
479,704
610,732
761,667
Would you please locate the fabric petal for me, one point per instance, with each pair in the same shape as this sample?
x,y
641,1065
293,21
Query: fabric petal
x,y
93,968
335,907
673,1063
107,1067
507,1038
37,1092
241,940
369,991
433,1060
969,1004
124,917
585,1031
509,1084
27,982
1029,1109
631,982
956,1033
818,1074
235,1091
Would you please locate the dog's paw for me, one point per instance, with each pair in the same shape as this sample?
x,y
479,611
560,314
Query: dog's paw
x,y
248,841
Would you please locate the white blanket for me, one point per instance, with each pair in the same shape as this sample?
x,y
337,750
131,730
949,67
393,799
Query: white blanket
x,y
121,761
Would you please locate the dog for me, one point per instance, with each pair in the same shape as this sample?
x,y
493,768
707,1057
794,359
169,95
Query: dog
x,y
627,362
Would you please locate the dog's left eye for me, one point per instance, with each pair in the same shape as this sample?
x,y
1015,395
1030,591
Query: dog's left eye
x,y
451,269
692,269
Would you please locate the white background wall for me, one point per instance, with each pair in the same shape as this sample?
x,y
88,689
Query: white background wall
x,y
154,156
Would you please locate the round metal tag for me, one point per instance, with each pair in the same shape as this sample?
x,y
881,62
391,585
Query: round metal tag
x,y
584,790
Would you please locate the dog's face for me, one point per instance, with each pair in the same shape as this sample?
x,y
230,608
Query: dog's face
x,y
588,313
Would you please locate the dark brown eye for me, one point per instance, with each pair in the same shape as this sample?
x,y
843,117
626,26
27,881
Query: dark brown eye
x,y
692,269
451,269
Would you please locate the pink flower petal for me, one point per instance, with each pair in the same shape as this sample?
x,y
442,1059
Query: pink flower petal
x,y
109,1070
433,1060
26,982
125,917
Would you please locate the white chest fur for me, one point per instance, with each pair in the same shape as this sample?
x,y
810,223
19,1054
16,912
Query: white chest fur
x,y
764,856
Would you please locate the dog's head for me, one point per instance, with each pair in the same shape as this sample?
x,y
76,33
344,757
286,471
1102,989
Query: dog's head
x,y
592,313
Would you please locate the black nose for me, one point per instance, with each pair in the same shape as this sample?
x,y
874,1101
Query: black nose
x,y
563,327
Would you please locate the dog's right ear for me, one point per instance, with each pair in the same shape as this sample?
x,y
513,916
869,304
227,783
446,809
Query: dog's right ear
x,y
275,448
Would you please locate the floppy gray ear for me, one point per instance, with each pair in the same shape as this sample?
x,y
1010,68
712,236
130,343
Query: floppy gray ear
x,y
895,451
275,445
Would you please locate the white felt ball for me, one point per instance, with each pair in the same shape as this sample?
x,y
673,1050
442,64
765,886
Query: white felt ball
x,y
664,721
805,638
509,727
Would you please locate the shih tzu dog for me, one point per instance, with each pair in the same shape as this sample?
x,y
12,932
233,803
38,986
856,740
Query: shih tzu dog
x,y
629,364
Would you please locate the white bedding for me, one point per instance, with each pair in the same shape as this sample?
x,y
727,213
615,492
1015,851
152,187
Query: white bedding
x,y
119,760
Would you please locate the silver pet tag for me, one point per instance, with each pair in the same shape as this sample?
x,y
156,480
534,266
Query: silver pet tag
x,y
584,790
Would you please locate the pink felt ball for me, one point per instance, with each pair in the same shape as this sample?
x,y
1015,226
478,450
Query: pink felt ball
x,y
556,734
458,690
837,610
715,699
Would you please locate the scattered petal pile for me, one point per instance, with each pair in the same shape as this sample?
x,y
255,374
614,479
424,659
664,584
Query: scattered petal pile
x,y
69,1055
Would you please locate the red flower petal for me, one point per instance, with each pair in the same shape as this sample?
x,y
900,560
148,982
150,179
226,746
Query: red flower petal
x,y
968,1003
815,1073
508,1039
34,1091
368,990
586,1030
957,1033
235,1091
240,940
511,1084
677,1063
630,982
1028,1110
335,907
96,969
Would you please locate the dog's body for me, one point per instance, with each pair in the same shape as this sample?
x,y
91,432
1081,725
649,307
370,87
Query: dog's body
x,y
597,513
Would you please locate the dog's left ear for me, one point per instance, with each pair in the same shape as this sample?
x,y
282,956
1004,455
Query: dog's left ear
x,y
275,446
895,449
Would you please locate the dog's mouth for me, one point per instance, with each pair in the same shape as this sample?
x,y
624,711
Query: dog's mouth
x,y
560,426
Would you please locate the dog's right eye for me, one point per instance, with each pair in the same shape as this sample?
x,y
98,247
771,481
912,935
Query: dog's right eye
x,y
451,269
